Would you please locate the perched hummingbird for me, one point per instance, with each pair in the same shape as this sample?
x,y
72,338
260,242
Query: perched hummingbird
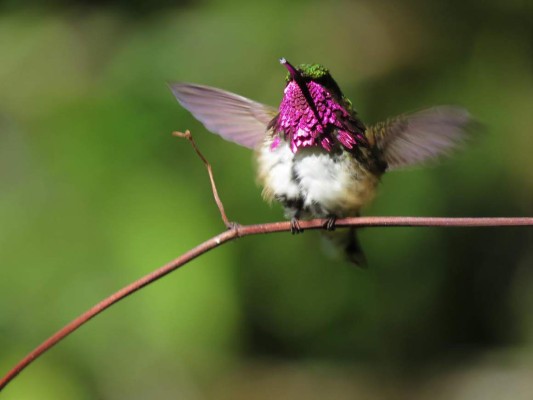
x,y
315,156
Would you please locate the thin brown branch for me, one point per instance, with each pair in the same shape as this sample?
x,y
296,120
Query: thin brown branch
x,y
187,135
234,232
241,231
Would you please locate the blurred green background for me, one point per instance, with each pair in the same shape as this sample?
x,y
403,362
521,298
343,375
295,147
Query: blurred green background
x,y
95,192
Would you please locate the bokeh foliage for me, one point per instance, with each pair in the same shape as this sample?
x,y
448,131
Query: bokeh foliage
x,y
95,192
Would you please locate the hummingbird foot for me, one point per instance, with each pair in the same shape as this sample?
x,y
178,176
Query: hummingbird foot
x,y
330,223
295,226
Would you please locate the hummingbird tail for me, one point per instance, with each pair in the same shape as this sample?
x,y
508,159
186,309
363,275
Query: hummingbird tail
x,y
345,242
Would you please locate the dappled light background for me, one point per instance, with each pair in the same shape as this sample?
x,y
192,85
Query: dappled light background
x,y
95,192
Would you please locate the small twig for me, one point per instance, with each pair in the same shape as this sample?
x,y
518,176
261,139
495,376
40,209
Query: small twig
x,y
187,135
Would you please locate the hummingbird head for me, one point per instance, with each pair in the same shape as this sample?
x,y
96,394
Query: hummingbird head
x,y
310,72
314,112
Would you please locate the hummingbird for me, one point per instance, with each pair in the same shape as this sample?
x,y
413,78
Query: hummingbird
x,y
314,154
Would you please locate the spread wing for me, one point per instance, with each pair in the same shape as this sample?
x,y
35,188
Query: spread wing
x,y
415,138
229,115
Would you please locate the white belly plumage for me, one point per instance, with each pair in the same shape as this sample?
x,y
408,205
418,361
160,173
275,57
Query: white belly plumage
x,y
314,183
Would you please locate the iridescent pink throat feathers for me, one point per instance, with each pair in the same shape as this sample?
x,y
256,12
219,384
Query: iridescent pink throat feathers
x,y
304,126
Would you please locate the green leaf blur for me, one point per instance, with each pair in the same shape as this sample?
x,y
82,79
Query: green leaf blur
x,y
95,192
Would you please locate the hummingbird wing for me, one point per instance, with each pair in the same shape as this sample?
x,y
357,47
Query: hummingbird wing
x,y
414,138
229,115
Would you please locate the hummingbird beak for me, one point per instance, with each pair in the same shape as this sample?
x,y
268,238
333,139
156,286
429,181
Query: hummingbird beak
x,y
295,75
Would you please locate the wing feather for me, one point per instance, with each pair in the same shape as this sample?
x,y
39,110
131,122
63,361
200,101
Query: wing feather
x,y
415,138
229,115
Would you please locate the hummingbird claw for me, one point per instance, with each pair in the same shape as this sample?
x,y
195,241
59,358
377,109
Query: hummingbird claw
x,y
330,223
295,226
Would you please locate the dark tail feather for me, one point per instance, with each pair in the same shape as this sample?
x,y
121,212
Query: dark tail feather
x,y
353,251
345,241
